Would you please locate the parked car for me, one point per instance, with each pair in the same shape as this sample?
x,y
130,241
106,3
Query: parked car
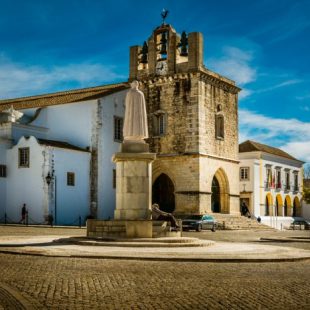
x,y
199,222
300,224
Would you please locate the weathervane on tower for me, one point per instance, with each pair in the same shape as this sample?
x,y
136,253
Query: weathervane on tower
x,y
164,15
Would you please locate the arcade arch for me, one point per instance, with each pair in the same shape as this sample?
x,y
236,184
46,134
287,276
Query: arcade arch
x,y
220,192
163,193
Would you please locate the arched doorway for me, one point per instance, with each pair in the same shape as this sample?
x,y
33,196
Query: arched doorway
x,y
268,205
215,196
287,206
279,205
163,193
220,192
296,207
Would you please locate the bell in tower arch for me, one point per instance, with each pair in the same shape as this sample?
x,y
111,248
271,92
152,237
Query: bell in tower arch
x,y
183,44
163,44
144,52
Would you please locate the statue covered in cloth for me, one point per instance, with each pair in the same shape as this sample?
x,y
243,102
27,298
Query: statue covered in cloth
x,y
135,125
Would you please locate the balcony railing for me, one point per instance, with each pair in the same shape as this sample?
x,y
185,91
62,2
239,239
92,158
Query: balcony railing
x,y
278,186
287,187
296,188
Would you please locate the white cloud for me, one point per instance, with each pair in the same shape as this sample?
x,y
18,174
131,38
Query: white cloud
x,y
301,98
245,93
291,135
235,64
300,148
17,79
282,84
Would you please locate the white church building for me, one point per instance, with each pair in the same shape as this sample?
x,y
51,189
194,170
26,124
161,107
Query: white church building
x,y
56,149
47,158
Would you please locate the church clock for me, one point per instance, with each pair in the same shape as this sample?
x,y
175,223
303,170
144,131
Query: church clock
x,y
162,67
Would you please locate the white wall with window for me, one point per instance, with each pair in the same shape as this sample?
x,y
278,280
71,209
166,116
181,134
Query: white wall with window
x,y
28,183
72,170
112,111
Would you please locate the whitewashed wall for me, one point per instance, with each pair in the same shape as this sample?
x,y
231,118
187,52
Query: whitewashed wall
x,y
26,185
20,130
110,106
72,201
84,124
4,145
71,123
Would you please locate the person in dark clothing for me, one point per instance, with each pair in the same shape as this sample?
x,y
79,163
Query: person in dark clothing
x,y
244,210
24,213
160,215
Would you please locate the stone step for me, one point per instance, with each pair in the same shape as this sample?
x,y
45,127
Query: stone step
x,y
119,228
238,222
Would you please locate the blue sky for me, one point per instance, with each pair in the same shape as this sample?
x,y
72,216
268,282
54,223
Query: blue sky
x,y
264,45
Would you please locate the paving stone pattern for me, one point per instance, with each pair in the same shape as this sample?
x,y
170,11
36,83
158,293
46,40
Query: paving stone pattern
x,y
69,283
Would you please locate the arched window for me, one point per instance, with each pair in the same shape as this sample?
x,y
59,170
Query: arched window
x,y
159,123
219,126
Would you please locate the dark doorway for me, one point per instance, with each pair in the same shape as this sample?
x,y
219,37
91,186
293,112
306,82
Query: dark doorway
x,y
267,207
285,207
215,196
163,193
294,209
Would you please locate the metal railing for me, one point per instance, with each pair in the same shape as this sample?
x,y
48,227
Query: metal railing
x,y
6,220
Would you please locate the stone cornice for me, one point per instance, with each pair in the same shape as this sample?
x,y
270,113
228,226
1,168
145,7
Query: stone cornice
x,y
203,74
197,155
218,81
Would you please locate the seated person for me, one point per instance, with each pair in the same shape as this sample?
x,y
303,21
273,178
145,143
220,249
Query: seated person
x,y
244,210
160,215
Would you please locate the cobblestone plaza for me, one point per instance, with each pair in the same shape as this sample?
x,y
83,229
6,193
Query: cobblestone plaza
x,y
34,282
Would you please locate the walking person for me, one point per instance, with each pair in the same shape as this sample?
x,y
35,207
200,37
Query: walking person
x,y
24,213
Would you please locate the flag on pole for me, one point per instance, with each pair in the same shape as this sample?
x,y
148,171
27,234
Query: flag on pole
x,y
273,180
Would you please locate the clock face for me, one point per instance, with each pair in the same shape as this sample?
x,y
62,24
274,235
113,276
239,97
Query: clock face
x,y
162,67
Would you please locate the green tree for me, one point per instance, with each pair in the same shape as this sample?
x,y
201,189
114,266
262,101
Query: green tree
x,y
306,195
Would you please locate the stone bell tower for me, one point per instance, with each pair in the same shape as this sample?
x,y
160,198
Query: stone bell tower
x,y
193,124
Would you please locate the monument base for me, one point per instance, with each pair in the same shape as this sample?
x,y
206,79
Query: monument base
x,y
129,229
133,185
134,147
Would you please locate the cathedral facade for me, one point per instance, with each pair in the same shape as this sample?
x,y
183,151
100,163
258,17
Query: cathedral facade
x,y
193,124
193,129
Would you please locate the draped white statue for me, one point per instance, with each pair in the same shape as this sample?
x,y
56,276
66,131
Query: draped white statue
x,y
135,124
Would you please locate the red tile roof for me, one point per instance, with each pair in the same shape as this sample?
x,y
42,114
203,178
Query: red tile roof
x,y
63,97
252,146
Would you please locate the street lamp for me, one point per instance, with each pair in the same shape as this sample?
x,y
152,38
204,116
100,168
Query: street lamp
x,y
49,179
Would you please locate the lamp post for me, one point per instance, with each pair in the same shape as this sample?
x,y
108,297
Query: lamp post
x,y
49,179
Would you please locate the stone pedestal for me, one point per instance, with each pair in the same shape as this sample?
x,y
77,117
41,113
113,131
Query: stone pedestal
x,y
133,185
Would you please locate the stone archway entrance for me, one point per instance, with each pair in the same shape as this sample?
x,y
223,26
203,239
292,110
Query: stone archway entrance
x,y
267,207
278,206
163,193
220,193
296,207
287,206
215,196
